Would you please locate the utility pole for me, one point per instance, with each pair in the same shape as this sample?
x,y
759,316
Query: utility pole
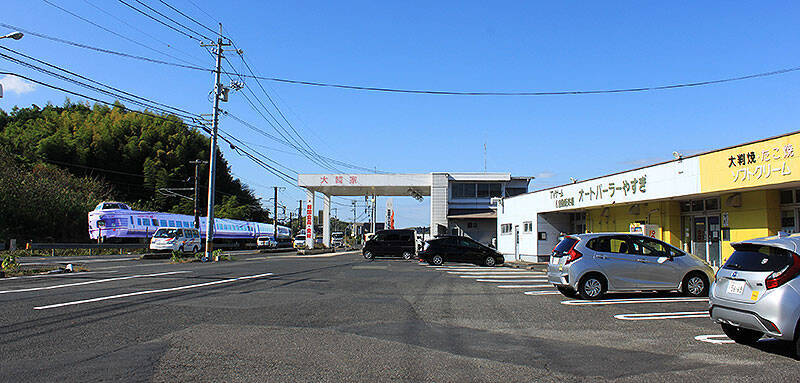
x,y
374,215
218,94
300,216
197,164
353,230
275,217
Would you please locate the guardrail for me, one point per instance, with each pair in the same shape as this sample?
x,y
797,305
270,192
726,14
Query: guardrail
x,y
83,246
51,246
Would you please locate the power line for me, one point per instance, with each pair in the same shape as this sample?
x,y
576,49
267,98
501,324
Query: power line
x,y
159,21
140,30
429,92
173,20
189,17
180,111
102,101
247,65
296,145
113,32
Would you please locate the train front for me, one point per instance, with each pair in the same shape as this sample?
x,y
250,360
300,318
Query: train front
x,y
109,220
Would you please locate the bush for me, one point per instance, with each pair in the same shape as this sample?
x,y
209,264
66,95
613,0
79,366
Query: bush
x,y
176,256
10,263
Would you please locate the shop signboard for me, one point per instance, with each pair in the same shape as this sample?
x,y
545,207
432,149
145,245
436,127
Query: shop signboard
x,y
665,180
767,162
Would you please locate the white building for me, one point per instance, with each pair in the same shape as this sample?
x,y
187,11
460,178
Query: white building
x,y
460,202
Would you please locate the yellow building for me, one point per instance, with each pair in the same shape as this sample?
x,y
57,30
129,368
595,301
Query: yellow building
x,y
699,203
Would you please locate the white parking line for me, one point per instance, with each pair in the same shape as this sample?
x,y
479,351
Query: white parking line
x,y
75,274
715,339
495,272
522,286
580,302
150,292
78,261
513,276
542,293
91,282
659,316
510,280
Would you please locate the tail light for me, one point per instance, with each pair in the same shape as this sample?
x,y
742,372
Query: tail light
x,y
784,275
573,254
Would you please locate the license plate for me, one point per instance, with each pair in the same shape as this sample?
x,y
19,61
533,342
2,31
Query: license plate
x,y
736,287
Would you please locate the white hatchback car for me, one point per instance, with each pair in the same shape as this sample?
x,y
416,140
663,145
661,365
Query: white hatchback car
x,y
173,239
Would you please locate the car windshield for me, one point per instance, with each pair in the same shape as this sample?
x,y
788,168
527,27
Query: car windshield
x,y
300,238
165,233
758,258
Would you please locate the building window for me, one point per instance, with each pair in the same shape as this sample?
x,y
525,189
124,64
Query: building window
x,y
788,222
463,190
700,205
505,228
472,225
489,190
527,227
542,235
578,222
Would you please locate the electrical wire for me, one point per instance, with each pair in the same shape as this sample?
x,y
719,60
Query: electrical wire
x,y
122,21
178,110
113,32
189,17
428,92
159,21
173,20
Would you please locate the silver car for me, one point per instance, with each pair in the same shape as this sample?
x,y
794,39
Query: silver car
x,y
590,265
757,290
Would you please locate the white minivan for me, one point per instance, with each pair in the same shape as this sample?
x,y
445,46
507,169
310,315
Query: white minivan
x,y
174,239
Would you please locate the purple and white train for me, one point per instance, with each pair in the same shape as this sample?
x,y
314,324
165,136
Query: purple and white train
x,y
116,221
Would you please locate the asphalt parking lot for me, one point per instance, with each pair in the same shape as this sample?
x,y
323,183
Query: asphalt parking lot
x,y
341,318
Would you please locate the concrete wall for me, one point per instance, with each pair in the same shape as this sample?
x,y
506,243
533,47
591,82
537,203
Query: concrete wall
x,y
439,197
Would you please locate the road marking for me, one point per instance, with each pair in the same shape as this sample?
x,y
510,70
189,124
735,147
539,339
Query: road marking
x,y
714,339
495,276
510,280
581,302
660,316
74,274
150,292
522,286
494,272
91,282
542,293
370,267
77,261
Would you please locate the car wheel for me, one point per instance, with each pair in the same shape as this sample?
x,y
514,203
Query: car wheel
x,y
194,249
695,285
567,291
437,260
407,255
489,261
368,255
592,286
180,249
741,335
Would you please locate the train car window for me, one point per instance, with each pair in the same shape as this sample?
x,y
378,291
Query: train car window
x,y
131,220
155,222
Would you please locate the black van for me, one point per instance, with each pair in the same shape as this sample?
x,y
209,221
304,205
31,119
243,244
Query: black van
x,y
391,243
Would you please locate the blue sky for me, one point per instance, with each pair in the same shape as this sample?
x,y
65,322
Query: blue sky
x,y
461,46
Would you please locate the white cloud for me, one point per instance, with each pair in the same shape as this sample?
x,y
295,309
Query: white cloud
x,y
14,84
544,175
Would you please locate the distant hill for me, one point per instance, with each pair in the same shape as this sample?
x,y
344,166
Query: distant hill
x,y
83,154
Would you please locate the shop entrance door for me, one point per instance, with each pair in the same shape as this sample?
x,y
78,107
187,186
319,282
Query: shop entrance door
x,y
705,238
